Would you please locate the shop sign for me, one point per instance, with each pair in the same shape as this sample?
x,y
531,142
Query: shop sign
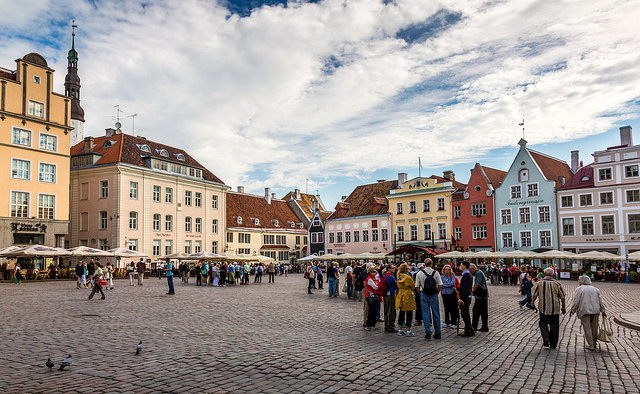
x,y
525,202
30,227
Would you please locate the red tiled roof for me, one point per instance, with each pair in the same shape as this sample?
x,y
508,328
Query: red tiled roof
x,y
305,202
7,74
365,200
456,184
552,168
250,206
494,176
577,182
124,149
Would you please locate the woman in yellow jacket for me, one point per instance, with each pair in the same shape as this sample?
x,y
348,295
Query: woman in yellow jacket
x,y
405,300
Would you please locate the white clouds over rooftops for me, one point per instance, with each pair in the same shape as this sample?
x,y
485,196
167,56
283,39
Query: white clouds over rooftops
x,y
334,88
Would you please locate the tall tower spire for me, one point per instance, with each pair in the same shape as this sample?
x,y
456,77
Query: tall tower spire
x,y
72,90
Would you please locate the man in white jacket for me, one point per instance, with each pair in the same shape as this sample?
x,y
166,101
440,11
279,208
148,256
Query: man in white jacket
x,y
587,303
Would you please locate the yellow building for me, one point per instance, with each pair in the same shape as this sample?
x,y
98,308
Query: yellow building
x,y
34,155
421,213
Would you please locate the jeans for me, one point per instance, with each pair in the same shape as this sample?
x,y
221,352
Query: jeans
x,y
527,300
170,283
350,289
332,287
450,302
550,329
310,286
319,281
430,307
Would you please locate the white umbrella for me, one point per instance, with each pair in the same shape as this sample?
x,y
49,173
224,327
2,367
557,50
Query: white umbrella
x,y
44,251
265,259
328,256
202,256
451,255
483,254
232,257
177,256
370,256
635,256
308,258
90,252
123,252
11,251
517,254
595,255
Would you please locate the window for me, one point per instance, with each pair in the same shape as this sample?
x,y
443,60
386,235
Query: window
x,y
532,190
156,247
197,248
400,233
168,195
412,207
187,247
35,109
587,225
84,191
155,224
198,199
48,142
103,244
180,156
523,175
399,208
426,206
544,214
631,171
21,137
479,232
478,209
198,225
102,221
586,200
426,230
457,232
374,224
374,235
19,204
283,256
516,192
314,238
187,198
187,224
244,238
442,230
634,223
214,247
347,236
525,214
168,247
525,239
144,148
133,220
320,238
566,201
604,174
229,237
608,225
133,244
168,223
84,221
507,240
332,238
413,232
162,152
365,235
384,234
606,198
36,79
356,236
214,226
457,211
545,238
505,215
269,239
440,203
339,237
633,195
567,226
156,193
47,173
46,206
20,169
104,189
84,242
214,202
133,190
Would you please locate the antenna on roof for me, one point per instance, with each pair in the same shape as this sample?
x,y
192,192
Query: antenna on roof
x,y
522,124
133,122
118,112
306,191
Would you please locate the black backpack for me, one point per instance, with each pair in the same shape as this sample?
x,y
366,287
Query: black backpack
x,y
430,287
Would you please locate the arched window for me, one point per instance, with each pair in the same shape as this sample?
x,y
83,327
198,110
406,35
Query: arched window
x,y
144,148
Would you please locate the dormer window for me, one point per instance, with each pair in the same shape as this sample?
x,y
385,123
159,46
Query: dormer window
x,y
585,178
276,223
144,148
107,144
256,221
239,220
292,224
300,225
162,152
180,156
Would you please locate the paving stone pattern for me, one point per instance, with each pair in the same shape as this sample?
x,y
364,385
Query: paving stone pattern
x,y
277,338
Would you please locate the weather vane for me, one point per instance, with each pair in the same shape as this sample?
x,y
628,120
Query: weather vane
x,y
73,27
522,124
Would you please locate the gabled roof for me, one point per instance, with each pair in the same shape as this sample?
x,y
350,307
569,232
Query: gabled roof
x,y
125,148
365,200
305,202
493,176
458,185
583,178
551,168
251,206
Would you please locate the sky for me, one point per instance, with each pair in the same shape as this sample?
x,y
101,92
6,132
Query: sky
x,y
327,95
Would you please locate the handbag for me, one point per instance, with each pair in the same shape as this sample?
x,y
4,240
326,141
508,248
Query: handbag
x,y
373,297
605,333
306,275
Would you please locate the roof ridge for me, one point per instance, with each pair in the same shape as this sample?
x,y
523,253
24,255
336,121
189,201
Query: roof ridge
x,y
546,155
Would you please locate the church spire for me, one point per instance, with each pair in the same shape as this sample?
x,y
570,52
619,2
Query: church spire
x,y
72,90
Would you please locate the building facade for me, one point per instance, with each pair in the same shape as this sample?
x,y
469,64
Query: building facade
x,y
34,152
599,208
311,211
361,222
131,192
525,212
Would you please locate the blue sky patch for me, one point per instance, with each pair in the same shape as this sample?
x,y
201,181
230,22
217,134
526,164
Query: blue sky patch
x,y
433,26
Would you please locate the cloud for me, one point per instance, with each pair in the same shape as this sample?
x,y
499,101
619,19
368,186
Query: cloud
x,y
268,95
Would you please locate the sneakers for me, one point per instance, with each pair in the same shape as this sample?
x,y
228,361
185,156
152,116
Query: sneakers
x,y
400,333
410,333
437,336
521,306
427,336
453,326
367,328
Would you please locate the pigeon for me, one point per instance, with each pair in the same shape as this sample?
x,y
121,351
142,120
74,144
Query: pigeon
x,y
65,363
50,364
139,348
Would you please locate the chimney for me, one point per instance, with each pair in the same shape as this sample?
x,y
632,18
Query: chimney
x,y
88,145
109,132
449,175
344,198
626,138
296,194
402,178
575,160
240,189
273,196
267,195
315,205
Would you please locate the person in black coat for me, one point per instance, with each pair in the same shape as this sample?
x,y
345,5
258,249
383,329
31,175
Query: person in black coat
x,y
466,286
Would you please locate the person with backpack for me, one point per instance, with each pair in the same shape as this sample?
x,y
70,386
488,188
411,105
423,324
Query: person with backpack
x,y
527,285
389,289
429,284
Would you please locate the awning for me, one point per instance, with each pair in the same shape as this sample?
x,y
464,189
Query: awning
x,y
414,249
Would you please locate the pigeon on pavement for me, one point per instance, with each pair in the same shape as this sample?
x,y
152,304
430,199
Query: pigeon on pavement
x,y
50,364
65,363
139,348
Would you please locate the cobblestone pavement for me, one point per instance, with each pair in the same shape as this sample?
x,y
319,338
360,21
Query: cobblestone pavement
x,y
277,338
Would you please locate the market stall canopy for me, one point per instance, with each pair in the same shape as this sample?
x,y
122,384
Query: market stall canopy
x,y
595,255
43,251
177,256
517,254
556,254
371,256
202,256
264,259
232,256
414,249
123,252
11,251
308,258
635,256
328,256
347,256
89,252
483,254
452,255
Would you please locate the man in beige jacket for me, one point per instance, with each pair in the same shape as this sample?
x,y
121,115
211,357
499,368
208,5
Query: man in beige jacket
x,y
587,303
